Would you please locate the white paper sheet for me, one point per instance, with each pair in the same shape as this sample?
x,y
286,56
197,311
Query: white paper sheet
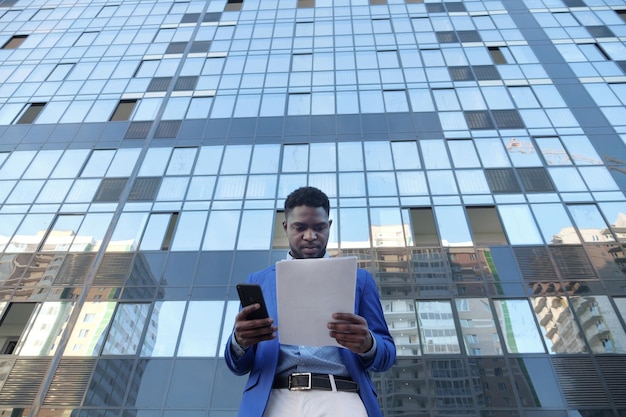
x,y
308,292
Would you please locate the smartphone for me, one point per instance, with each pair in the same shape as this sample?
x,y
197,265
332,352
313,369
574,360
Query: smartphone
x,y
252,294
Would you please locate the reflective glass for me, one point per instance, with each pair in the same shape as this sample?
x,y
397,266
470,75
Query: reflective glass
x,y
265,159
54,191
201,188
322,157
232,308
173,189
236,159
472,182
567,179
352,184
615,214
30,233
381,184
598,179
98,163
209,160
388,229
519,225
201,329
557,325
554,223
517,326
492,153
412,183
441,182
463,154
16,164
522,152
127,233
295,158
83,191
126,329
189,231
256,230
350,156
181,161
43,334
155,231
400,317
481,338
261,187
155,162
8,225
405,155
230,187
452,226
536,384
601,325
62,234
42,165
163,329
436,327
88,333
581,150
553,151
221,230
486,226
123,163
378,156
590,223
354,228
25,192
435,154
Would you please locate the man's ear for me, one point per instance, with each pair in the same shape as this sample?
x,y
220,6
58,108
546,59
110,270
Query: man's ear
x,y
285,225
330,223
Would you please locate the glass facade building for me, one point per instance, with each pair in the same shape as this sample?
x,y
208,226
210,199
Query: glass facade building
x,y
474,153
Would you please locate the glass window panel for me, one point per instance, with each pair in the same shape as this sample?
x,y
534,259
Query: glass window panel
x,y
557,324
16,164
43,333
201,329
265,159
421,100
388,229
199,108
370,101
155,231
378,156
453,228
163,329
221,230
395,101
472,182
423,229
147,109
325,182
91,233
436,327
30,233
125,332
83,191
256,230
299,104
230,187
98,163
322,157
248,105
492,153
261,186
232,308
615,213
127,232
123,163
598,179
8,225
567,179
381,184
42,164
354,228
295,158
189,230
5,189
182,161
273,105
412,183
53,192
518,326
522,152
441,182
553,151
352,184
201,188
223,107
155,161
486,226
463,154
347,101
600,324
555,225
400,316
209,160
173,189
350,156
405,155
176,108
581,150
70,163
482,338
590,223
88,334
236,159
519,225
25,192
446,99
435,154
289,182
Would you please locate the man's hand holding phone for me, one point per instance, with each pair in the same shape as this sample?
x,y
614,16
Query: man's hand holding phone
x,y
252,324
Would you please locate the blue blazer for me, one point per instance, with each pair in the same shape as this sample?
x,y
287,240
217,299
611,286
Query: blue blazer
x,y
261,360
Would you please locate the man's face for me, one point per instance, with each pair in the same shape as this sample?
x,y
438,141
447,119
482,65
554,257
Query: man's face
x,y
307,229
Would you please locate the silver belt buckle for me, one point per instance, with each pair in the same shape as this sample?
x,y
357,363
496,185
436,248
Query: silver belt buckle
x,y
305,388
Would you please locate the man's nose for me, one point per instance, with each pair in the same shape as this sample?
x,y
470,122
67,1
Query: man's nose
x,y
310,234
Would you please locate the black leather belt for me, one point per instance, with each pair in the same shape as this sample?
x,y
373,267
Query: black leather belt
x,y
305,381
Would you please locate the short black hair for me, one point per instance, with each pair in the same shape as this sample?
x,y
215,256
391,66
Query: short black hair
x,y
307,196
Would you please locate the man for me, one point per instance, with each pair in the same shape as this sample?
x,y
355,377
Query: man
x,y
341,385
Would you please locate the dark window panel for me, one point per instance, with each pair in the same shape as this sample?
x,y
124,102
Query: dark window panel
x,y
114,269
469,36
110,190
22,384
159,84
446,37
622,14
600,32
14,42
378,2
574,3
435,8
306,4
233,5
200,46
535,264
169,233
572,262
478,119
168,129
535,180
190,18
508,119
112,374
74,269
176,48
138,130
456,6
622,65
486,72
502,180
124,110
145,189
580,382
461,73
186,83
613,369
13,325
31,113
69,382
496,55
212,17
8,3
